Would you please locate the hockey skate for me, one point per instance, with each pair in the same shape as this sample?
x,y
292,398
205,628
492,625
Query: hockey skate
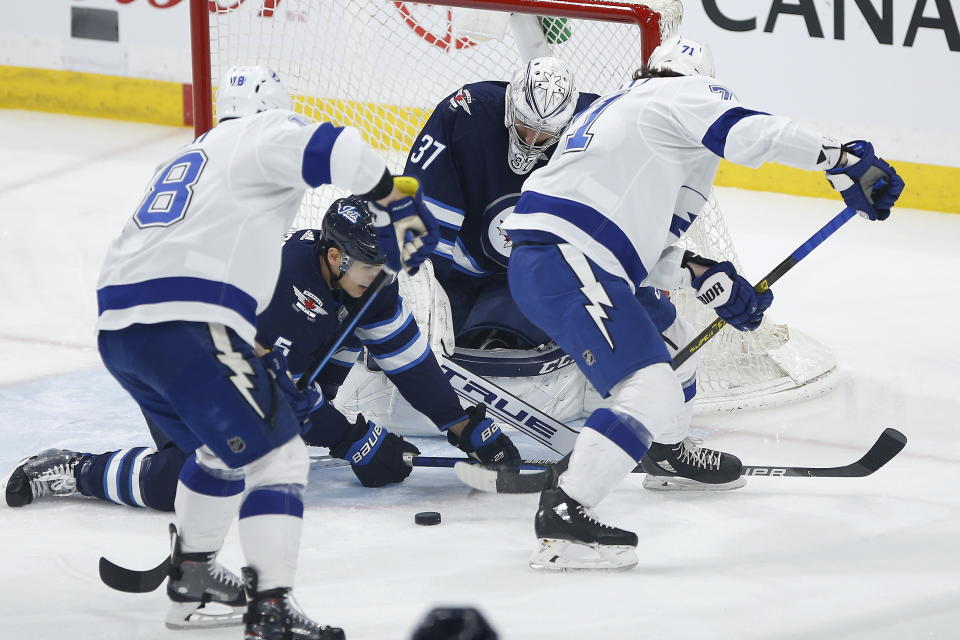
x,y
275,615
196,581
49,473
687,466
571,538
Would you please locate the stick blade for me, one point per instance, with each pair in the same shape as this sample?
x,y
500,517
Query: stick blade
x,y
500,480
889,444
131,580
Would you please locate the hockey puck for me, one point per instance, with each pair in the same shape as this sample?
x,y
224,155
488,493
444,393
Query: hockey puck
x,y
427,518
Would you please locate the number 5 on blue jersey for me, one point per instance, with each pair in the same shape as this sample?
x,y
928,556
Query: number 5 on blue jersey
x,y
169,196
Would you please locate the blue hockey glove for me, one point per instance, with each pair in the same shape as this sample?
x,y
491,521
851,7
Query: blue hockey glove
x,y
867,183
303,402
407,231
483,440
374,454
728,293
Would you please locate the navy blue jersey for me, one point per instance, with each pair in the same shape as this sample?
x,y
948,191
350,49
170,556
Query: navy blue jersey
x,y
460,159
304,314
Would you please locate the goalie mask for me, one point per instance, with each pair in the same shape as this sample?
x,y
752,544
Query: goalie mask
x,y
348,226
540,102
245,91
685,57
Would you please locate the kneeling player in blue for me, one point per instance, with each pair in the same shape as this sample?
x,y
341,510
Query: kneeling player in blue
x,y
322,274
594,235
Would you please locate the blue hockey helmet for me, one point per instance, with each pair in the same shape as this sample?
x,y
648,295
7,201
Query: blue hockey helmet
x,y
348,226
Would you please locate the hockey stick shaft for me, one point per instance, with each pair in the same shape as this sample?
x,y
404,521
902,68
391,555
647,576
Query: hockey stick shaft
x,y
346,328
801,252
501,480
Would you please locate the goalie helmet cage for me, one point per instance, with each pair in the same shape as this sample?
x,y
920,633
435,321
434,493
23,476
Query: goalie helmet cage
x,y
382,66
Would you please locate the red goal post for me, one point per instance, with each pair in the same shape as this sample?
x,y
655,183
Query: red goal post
x,y
652,20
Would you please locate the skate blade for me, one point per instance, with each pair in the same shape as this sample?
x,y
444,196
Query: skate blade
x,y
564,555
191,615
677,483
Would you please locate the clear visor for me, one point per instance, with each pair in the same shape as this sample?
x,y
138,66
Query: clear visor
x,y
361,273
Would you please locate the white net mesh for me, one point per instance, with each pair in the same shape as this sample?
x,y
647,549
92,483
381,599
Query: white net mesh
x,y
382,66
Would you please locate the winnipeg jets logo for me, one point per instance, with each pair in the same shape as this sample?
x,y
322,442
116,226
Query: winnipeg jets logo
x,y
349,212
463,99
597,299
243,374
496,242
308,303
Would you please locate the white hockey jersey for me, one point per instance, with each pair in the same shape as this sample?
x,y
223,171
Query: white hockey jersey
x,y
633,171
204,244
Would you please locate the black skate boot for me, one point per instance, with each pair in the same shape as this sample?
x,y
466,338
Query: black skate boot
x,y
571,538
197,580
49,473
274,615
686,466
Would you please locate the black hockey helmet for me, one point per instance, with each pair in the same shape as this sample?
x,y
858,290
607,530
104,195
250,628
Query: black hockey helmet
x,y
348,226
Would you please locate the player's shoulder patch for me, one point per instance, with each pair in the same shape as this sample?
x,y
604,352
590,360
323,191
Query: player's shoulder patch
x,y
462,99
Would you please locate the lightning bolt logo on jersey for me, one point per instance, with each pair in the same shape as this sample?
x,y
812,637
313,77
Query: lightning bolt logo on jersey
x,y
243,374
598,301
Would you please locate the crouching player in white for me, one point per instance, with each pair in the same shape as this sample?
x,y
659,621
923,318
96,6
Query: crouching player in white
x,y
592,233
178,297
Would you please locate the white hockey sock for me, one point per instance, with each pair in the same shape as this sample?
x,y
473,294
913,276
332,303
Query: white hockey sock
x,y
607,449
271,519
206,503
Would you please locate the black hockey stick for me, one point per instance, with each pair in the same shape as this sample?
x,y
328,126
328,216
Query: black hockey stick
x,y
131,580
802,251
346,327
507,480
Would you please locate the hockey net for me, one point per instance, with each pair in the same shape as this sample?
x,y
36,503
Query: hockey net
x,y
382,66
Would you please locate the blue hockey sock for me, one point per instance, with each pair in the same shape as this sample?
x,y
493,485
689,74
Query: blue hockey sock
x,y
137,477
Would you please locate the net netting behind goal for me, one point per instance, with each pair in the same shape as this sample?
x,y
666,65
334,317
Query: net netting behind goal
x,y
382,66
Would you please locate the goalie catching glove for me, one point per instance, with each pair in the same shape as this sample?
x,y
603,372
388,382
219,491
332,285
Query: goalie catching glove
x,y
407,231
728,293
482,439
375,455
867,183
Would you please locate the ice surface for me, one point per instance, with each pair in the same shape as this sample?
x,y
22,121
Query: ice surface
x,y
788,559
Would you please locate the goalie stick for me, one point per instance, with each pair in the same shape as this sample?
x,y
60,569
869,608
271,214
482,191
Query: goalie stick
x,y
505,480
436,462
